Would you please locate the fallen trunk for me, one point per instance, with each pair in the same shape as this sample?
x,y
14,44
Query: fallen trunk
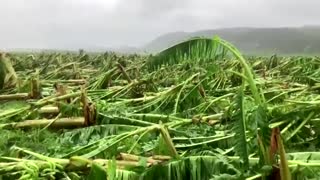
x,y
49,110
71,81
150,160
74,164
40,123
18,96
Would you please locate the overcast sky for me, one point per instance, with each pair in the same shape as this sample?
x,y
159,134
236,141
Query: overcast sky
x,y
105,23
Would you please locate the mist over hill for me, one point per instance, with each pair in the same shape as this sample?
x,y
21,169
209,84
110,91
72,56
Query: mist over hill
x,y
285,40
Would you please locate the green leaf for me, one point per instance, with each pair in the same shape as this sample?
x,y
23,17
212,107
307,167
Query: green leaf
x,y
264,133
112,169
143,161
162,147
97,172
193,49
241,146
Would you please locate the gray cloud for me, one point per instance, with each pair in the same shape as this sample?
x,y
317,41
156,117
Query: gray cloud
x,y
105,23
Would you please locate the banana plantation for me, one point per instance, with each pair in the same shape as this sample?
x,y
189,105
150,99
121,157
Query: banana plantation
x,y
198,110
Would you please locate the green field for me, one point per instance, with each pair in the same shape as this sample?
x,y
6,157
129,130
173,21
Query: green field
x,y
197,110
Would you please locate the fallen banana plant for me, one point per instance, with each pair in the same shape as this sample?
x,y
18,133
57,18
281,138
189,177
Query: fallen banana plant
x,y
196,110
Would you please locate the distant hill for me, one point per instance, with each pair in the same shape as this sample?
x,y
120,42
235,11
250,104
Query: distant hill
x,y
302,40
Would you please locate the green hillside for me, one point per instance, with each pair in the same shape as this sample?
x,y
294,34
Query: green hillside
x,y
305,40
